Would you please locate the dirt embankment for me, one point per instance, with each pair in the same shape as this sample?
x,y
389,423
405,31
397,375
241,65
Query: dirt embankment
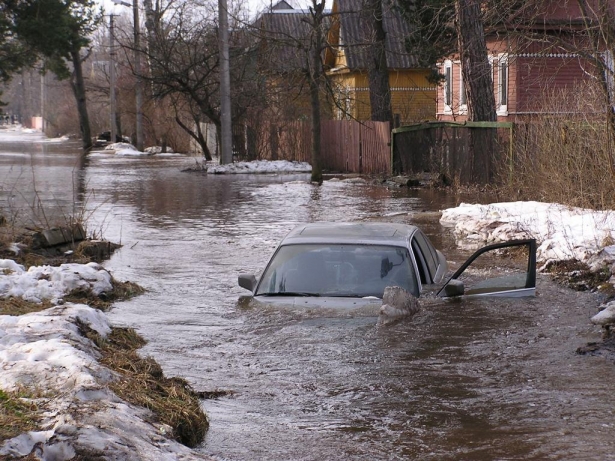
x,y
141,381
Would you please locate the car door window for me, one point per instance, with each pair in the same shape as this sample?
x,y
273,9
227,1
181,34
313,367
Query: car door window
x,y
505,269
429,254
420,263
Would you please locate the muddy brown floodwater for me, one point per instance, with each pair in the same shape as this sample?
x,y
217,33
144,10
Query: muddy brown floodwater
x,y
466,380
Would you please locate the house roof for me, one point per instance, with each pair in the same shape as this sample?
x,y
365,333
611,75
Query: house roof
x,y
549,13
286,32
281,5
355,35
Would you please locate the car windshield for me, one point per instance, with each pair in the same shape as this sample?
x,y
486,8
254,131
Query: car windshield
x,y
337,270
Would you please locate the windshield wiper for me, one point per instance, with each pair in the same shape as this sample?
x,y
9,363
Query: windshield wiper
x,y
289,293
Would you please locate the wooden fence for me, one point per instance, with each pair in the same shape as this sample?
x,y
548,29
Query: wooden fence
x,y
450,149
347,146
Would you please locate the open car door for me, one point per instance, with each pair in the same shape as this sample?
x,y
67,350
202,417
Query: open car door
x,y
504,269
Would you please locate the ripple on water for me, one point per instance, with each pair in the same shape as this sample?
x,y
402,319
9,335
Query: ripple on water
x,y
475,380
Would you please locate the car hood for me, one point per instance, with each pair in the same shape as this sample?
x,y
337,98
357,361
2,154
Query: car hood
x,y
370,304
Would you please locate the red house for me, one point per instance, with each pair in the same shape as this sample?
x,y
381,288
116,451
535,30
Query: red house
x,y
539,50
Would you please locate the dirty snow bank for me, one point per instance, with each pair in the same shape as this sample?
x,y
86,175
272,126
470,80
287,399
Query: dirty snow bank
x,y
126,149
43,352
48,282
261,166
562,232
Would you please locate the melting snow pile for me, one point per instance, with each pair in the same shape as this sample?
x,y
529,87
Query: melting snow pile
x,y
562,232
47,282
44,352
261,166
126,149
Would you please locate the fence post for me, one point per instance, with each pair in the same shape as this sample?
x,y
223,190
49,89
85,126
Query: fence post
x,y
360,149
392,149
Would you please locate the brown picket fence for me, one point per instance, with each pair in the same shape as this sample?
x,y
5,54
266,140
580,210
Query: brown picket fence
x,y
347,146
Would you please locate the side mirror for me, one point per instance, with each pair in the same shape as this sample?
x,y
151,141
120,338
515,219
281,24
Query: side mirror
x,y
247,281
453,288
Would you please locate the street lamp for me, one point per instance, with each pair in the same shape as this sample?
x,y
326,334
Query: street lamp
x,y
137,70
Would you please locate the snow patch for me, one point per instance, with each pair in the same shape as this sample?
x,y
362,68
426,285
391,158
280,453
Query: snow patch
x,y
45,352
48,282
606,316
260,167
562,232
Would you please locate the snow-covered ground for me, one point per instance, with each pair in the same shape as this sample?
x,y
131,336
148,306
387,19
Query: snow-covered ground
x,y
562,232
16,133
261,166
126,149
48,282
44,353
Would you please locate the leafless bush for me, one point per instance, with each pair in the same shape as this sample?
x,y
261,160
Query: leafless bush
x,y
565,154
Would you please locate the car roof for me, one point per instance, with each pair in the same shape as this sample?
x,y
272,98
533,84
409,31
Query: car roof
x,y
372,233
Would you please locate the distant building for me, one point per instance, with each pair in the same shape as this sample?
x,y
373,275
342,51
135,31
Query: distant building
x,y
413,97
530,60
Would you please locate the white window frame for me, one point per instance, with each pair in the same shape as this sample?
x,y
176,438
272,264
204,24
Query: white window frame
x,y
344,108
503,93
448,87
463,96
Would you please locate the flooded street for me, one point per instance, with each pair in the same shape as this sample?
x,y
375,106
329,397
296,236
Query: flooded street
x,y
470,380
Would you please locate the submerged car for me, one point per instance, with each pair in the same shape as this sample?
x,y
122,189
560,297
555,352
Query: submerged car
x,y
359,260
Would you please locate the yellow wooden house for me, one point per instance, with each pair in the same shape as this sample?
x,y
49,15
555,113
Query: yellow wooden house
x,y
413,97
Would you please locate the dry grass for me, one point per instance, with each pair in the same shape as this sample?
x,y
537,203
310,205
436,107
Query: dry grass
x,y
18,306
82,252
578,276
143,383
566,158
17,414
121,291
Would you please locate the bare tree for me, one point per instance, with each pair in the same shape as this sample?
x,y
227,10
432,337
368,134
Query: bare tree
x,y
59,32
290,49
378,71
316,75
183,66
584,30
474,61
599,24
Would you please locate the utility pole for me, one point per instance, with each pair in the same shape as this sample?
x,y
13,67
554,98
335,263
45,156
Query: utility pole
x,y
43,103
226,135
137,70
138,89
112,102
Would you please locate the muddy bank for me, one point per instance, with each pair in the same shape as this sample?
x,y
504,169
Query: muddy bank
x,y
43,426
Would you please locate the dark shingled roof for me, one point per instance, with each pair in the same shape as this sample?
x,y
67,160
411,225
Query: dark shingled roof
x,y
287,35
355,35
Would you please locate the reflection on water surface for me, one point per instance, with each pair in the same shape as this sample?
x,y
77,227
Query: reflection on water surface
x,y
473,380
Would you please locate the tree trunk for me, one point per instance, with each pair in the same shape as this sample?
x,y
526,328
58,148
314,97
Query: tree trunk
x,y
78,86
378,72
475,62
479,87
198,137
152,24
316,75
